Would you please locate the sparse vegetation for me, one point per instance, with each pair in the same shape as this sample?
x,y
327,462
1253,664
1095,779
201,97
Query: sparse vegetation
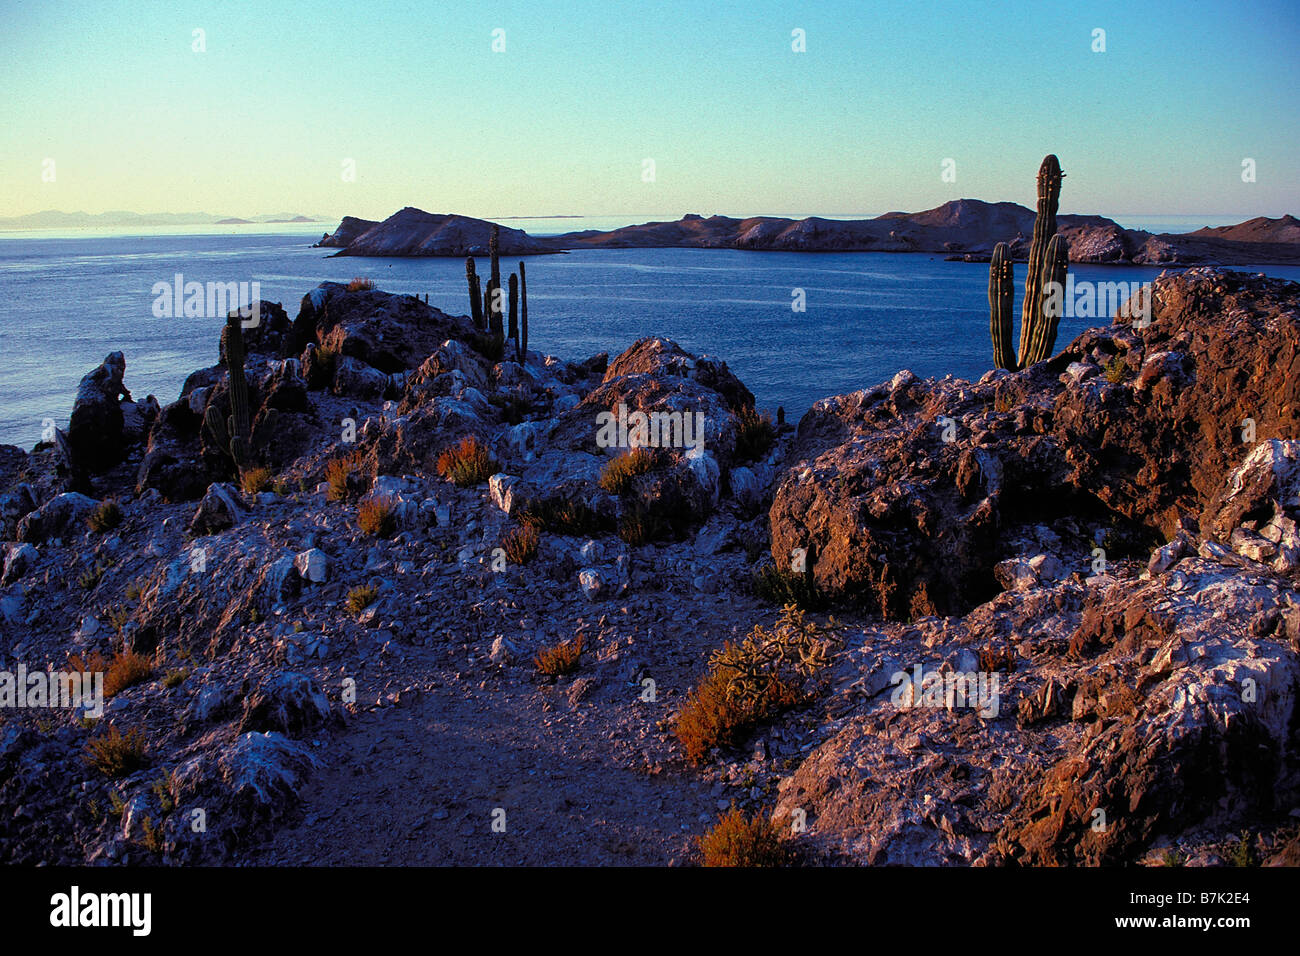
x,y
560,659
777,585
151,838
640,526
1116,369
106,516
375,517
1242,854
754,434
89,579
617,475
563,516
513,407
360,284
468,462
126,669
739,840
520,543
749,681
116,754
361,597
255,480
174,678
339,475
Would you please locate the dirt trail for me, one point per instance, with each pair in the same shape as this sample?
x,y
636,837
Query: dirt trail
x,y
418,783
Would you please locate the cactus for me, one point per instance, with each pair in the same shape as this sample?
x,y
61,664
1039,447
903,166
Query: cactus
x,y
494,285
513,333
494,310
1031,312
235,432
1050,301
1040,313
475,294
523,314
1002,290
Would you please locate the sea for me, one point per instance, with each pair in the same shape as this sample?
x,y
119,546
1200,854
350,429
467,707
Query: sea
x,y
795,327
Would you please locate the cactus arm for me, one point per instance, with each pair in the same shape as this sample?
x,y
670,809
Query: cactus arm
x,y
1051,299
1002,290
523,314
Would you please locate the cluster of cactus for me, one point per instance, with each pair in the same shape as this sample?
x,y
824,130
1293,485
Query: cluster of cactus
x,y
1049,255
486,304
234,433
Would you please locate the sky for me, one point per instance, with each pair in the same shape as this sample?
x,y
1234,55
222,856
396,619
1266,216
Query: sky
x,y
111,106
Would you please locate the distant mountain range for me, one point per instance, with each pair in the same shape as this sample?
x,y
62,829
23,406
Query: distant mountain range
x,y
962,229
53,219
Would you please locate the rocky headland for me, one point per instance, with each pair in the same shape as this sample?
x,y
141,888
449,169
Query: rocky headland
x,y
431,599
965,229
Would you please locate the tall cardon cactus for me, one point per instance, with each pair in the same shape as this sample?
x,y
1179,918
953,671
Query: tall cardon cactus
x,y
1040,313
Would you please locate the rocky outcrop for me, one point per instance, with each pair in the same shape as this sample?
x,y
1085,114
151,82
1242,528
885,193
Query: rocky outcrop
x,y
414,232
349,229
105,420
905,497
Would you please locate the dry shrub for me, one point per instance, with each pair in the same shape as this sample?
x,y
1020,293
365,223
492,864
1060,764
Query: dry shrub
x,y
738,840
360,284
560,659
520,543
361,597
750,681
126,669
468,462
616,477
116,754
754,434
375,517
255,480
563,516
640,526
339,473
106,516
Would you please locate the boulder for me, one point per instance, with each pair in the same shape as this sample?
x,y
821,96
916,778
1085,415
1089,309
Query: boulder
x,y
222,507
61,516
95,429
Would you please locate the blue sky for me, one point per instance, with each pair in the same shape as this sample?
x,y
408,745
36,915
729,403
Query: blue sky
x,y
563,120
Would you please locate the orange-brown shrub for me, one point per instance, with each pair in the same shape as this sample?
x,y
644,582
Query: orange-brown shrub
x,y
468,462
738,840
560,659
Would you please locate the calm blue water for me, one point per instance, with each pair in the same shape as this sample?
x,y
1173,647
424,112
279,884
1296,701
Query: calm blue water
x,y
67,302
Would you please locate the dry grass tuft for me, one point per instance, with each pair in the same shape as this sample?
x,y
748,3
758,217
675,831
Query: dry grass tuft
x,y
618,473
106,516
467,462
560,659
738,840
116,754
375,517
520,543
